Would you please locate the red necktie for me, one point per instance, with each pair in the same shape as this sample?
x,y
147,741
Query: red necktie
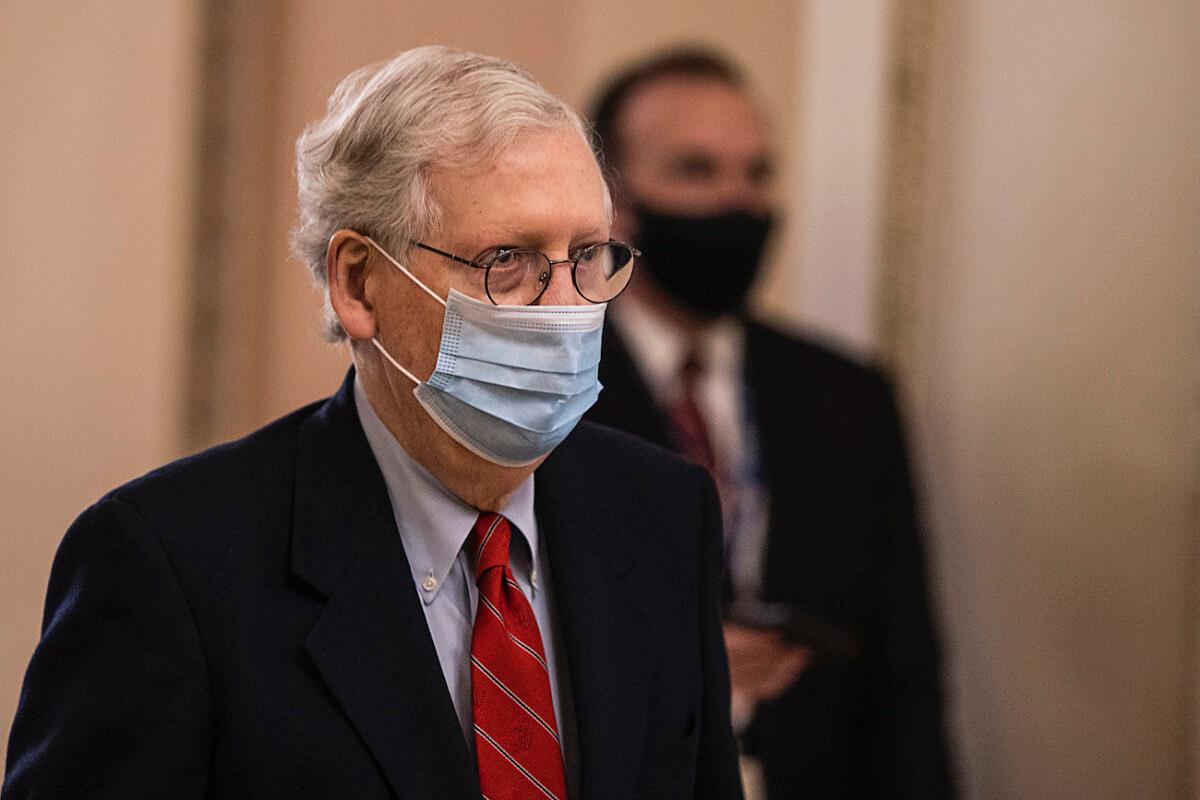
x,y
516,737
691,434
687,422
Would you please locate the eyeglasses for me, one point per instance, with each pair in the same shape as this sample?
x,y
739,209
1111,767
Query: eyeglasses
x,y
518,277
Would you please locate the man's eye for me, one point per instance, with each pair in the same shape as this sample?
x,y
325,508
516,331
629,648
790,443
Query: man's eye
x,y
496,256
695,168
760,172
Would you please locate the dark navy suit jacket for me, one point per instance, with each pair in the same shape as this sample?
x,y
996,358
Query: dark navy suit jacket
x,y
844,544
243,623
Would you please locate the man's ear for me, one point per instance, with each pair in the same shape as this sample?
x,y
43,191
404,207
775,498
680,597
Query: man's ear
x,y
346,261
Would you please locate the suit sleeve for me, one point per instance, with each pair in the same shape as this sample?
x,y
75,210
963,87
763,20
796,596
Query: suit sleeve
x,y
909,758
717,774
116,699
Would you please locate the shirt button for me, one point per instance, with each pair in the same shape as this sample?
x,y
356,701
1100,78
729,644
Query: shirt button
x,y
429,584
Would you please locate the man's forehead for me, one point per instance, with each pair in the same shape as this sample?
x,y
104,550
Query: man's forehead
x,y
546,184
679,112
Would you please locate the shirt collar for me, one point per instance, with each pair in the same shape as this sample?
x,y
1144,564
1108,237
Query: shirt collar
x,y
659,348
434,522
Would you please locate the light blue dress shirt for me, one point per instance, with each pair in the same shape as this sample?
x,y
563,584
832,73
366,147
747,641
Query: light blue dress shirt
x,y
434,525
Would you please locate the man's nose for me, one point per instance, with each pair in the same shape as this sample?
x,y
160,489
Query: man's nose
x,y
561,289
737,191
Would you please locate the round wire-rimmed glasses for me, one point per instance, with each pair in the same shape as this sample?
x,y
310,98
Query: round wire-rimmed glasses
x,y
519,276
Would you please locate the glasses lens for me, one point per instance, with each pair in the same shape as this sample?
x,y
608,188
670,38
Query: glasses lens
x,y
517,277
604,271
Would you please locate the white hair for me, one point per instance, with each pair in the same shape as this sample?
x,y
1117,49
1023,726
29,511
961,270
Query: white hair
x,y
366,165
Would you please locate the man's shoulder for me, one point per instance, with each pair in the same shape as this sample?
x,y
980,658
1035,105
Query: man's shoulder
x,y
594,445
625,468
252,474
789,372
813,354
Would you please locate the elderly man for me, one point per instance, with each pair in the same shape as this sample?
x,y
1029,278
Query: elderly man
x,y
833,655
400,592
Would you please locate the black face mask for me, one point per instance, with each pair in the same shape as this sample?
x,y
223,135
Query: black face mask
x,y
706,263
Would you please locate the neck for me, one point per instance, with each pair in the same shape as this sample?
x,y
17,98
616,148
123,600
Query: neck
x,y
658,303
478,483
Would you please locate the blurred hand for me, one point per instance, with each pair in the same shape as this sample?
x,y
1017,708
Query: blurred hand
x,y
762,665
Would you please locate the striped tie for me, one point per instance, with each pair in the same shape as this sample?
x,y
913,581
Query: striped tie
x,y
516,737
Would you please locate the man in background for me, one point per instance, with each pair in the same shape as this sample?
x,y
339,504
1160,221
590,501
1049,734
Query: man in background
x,y
833,656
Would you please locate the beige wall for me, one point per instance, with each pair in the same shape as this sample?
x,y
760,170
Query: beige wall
x,y
94,226
1056,358
1059,376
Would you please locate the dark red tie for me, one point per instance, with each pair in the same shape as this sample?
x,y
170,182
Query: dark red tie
x,y
687,422
516,737
691,434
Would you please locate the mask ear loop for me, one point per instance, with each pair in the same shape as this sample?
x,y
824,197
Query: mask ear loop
x,y
414,279
403,269
395,363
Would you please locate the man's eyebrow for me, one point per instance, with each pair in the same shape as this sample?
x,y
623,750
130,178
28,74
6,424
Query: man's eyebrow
x,y
590,236
692,156
692,161
503,236
761,161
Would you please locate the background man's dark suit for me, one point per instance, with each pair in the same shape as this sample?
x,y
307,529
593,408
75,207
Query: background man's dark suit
x,y
843,543
243,624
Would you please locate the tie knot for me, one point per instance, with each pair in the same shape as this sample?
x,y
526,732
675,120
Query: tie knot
x,y
692,366
488,542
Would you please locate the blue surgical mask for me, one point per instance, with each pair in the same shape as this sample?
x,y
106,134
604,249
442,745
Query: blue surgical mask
x,y
510,381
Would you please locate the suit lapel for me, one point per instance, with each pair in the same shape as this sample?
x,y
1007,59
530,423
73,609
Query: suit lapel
x,y
371,644
781,402
606,635
630,406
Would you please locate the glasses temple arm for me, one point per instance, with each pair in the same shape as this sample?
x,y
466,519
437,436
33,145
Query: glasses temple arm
x,y
451,256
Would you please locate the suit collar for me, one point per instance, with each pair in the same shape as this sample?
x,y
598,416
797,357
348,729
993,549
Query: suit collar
x,y
433,521
659,348
631,407
371,643
338,492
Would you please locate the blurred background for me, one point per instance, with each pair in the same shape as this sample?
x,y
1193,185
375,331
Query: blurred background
x,y
998,201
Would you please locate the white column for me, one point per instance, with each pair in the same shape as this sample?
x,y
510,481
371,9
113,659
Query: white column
x,y
837,215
